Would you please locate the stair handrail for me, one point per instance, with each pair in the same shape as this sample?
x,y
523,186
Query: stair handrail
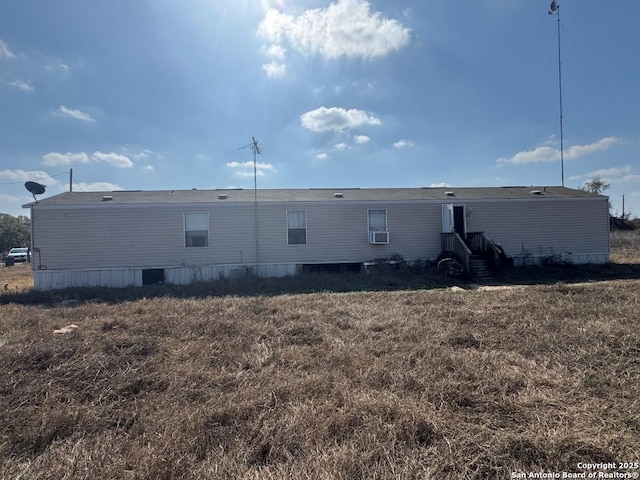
x,y
481,242
453,242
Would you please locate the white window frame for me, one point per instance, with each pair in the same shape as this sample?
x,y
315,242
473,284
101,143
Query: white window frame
x,y
186,242
296,228
372,228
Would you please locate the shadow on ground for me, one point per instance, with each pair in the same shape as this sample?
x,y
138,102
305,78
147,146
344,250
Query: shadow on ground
x,y
341,282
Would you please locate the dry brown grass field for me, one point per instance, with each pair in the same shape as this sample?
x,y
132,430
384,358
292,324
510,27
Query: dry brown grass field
x,y
391,378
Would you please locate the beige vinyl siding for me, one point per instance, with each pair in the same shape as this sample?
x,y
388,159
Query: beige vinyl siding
x,y
141,236
339,233
152,236
543,227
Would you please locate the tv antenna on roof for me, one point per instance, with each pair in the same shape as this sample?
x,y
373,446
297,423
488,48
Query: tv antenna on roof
x,y
35,189
257,150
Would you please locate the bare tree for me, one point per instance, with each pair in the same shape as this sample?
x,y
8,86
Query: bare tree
x,y
598,186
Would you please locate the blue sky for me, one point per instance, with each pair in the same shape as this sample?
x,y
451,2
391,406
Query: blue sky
x,y
159,94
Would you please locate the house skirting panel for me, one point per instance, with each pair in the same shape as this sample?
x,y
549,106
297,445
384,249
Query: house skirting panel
x,y
188,275
57,279
133,277
574,258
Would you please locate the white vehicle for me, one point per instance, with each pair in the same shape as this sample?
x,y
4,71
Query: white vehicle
x,y
19,254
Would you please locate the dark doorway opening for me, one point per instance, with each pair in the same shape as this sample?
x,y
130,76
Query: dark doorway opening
x,y
458,220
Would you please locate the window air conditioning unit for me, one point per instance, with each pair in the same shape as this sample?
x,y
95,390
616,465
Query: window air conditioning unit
x,y
378,238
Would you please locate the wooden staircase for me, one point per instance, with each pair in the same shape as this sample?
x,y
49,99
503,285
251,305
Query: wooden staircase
x,y
480,255
479,268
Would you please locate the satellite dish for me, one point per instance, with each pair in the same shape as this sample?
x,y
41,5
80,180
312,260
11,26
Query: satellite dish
x,y
35,189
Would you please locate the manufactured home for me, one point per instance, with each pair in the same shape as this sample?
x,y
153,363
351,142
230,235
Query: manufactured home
x,y
132,238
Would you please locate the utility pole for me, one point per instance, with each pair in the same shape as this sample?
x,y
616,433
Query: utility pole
x,y
71,180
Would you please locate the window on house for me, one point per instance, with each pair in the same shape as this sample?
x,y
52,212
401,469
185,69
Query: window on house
x,y
377,220
297,227
196,229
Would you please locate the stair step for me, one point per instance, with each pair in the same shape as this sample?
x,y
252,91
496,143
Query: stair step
x,y
480,269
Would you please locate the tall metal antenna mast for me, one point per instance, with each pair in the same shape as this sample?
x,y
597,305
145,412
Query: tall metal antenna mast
x,y
255,146
257,150
555,9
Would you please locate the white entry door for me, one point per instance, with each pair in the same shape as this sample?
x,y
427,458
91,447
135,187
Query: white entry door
x,y
453,219
447,218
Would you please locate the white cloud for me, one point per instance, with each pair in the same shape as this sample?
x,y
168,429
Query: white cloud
x,y
5,52
439,185
245,169
336,119
611,172
139,155
322,156
538,155
345,28
47,180
98,187
76,114
8,198
113,159
341,146
25,86
275,69
634,178
61,67
275,51
577,151
361,139
24,176
545,154
403,144
53,159
149,167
